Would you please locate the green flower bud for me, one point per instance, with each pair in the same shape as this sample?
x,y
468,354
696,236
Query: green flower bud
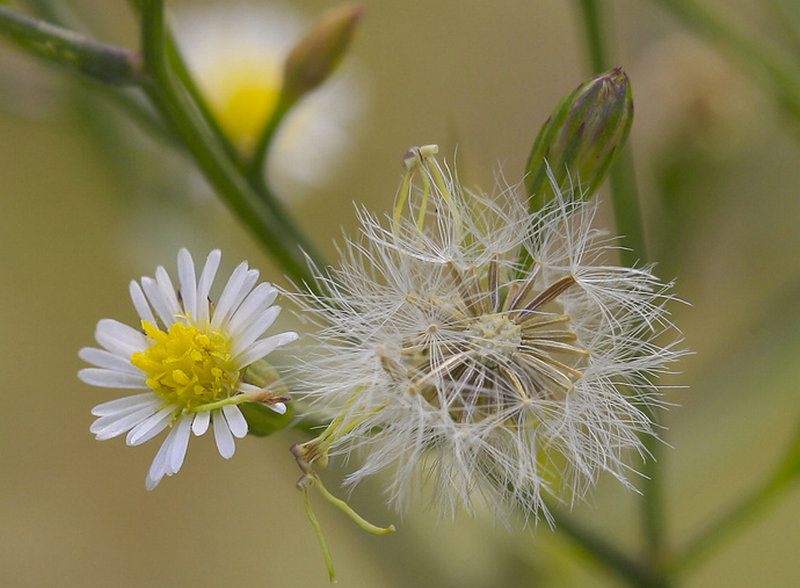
x,y
317,54
582,137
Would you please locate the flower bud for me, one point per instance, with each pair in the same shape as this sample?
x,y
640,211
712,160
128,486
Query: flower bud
x,y
319,52
582,137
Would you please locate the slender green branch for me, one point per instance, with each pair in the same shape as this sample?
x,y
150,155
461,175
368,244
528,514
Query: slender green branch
x,y
745,512
627,212
106,63
605,553
594,35
178,110
629,225
326,552
624,194
254,173
256,179
784,78
180,70
258,160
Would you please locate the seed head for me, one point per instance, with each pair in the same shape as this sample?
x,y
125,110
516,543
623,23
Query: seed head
x,y
455,364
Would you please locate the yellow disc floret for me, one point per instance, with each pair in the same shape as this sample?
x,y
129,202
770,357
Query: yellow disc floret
x,y
188,366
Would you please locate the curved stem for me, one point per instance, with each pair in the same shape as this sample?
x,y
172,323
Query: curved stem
x,y
784,78
629,225
624,194
257,163
604,553
279,236
746,511
253,170
181,71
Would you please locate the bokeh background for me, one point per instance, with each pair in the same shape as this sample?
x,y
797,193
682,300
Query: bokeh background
x,y
89,202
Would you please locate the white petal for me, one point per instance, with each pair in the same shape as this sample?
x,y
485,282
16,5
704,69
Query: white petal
x,y
111,379
150,427
256,302
106,359
156,299
110,426
200,422
222,435
119,338
254,330
188,282
264,347
231,292
168,290
158,467
126,403
140,303
236,421
177,451
278,407
204,284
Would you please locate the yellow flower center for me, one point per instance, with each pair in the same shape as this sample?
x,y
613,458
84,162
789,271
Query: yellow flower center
x,y
188,366
244,96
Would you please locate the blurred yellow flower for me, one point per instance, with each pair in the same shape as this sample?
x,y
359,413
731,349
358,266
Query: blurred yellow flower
x,y
236,53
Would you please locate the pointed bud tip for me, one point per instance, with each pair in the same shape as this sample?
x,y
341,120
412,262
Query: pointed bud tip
x,y
317,54
582,137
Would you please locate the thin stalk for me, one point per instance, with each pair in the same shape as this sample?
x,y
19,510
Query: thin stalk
x,y
593,30
745,512
628,220
181,114
604,553
624,194
258,160
105,63
784,78
181,71
252,172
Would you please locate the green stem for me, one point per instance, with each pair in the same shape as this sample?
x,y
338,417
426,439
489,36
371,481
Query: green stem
x,y
252,171
257,163
628,220
784,78
624,194
181,71
326,553
177,109
593,30
743,513
348,510
105,63
604,553
627,213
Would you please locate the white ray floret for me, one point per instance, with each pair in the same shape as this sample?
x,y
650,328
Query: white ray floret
x,y
190,356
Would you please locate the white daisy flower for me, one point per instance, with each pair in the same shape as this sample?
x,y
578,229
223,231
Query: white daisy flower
x,y
236,53
455,364
191,358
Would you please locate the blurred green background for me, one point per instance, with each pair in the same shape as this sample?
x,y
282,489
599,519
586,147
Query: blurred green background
x,y
717,165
